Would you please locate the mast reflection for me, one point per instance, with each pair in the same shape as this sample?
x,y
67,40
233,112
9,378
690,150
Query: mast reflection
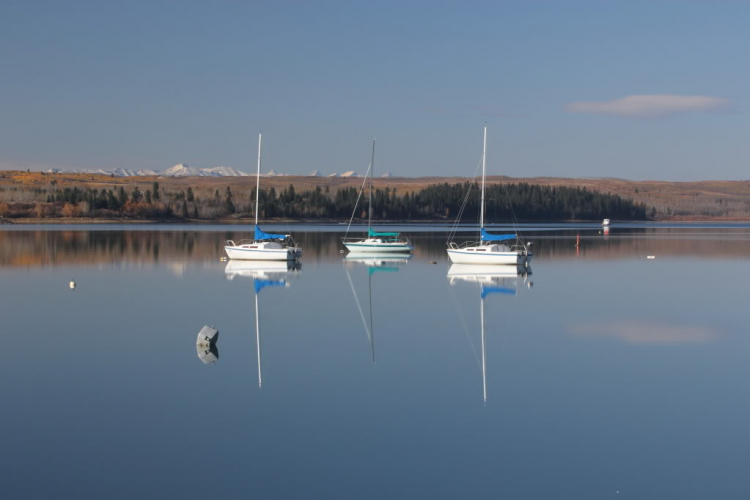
x,y
388,262
500,280
264,274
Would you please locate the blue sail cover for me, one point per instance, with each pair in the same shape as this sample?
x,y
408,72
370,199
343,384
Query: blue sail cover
x,y
375,234
260,235
497,237
487,290
260,284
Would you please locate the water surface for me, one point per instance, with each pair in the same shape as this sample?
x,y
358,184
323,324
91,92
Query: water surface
x,y
606,374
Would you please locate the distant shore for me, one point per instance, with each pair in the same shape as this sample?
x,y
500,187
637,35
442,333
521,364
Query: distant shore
x,y
23,195
251,221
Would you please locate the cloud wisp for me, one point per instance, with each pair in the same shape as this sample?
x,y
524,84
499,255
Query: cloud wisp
x,y
647,332
650,106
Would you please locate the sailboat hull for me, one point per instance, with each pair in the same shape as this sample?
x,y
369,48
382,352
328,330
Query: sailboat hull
x,y
469,256
384,247
247,252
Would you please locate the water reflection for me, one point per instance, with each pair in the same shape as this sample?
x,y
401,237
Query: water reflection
x,y
265,274
73,246
208,353
389,262
500,280
638,331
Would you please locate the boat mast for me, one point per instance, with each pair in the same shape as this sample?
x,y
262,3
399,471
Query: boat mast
x,y
257,339
372,171
257,179
484,164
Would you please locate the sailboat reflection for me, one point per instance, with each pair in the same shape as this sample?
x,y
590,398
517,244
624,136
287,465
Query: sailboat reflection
x,y
492,280
389,262
264,274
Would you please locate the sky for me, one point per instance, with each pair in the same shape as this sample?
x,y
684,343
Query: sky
x,y
628,89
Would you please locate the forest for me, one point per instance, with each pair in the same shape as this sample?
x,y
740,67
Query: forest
x,y
505,202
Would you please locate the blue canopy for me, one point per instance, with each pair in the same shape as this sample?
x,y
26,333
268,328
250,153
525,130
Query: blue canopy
x,y
260,235
260,284
375,234
497,237
486,290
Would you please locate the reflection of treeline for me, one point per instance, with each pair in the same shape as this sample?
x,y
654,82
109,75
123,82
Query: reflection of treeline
x,y
442,201
36,248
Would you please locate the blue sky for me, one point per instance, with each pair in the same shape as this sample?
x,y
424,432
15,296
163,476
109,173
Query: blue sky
x,y
560,84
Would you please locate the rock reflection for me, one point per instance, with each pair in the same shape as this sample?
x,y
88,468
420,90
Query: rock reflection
x,y
208,353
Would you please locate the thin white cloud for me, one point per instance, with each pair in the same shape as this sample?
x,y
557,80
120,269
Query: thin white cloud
x,y
650,106
647,332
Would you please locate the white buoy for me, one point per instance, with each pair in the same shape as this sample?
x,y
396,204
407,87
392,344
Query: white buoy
x,y
651,257
72,285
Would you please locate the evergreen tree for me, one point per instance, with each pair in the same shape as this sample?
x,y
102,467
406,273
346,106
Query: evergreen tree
x,y
112,203
122,197
228,205
190,195
136,195
156,195
148,197
184,209
195,212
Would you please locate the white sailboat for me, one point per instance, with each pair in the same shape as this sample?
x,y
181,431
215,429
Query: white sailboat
x,y
263,274
491,248
376,242
499,280
264,246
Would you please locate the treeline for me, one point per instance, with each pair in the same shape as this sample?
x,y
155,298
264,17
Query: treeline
x,y
443,201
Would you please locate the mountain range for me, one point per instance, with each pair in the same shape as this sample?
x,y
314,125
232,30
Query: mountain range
x,y
182,170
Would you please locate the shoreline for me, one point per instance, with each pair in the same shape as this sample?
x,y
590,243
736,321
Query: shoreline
x,y
28,221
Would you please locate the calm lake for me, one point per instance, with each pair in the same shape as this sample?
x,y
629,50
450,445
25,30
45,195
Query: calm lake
x,y
600,373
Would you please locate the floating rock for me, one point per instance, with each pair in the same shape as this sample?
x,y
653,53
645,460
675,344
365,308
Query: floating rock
x,y
207,336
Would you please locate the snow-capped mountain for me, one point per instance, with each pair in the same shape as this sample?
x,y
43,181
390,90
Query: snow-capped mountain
x,y
223,172
387,174
180,170
273,173
183,170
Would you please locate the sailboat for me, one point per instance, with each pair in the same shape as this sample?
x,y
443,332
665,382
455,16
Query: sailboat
x,y
264,275
491,281
376,242
388,262
264,246
491,248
